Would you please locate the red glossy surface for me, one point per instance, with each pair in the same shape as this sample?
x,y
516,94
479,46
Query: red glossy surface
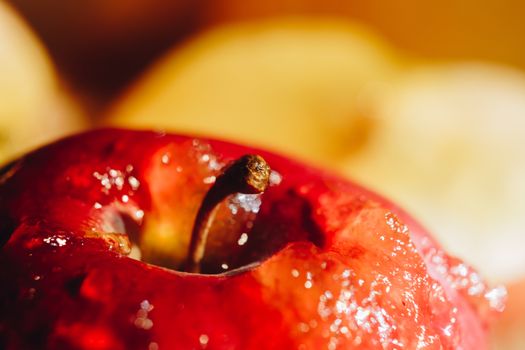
x,y
337,266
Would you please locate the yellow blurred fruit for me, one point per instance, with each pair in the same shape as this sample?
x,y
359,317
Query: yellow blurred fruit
x,y
299,85
448,143
33,109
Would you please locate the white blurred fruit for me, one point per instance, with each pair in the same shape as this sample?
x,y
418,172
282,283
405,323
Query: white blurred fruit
x,y
296,85
449,143
33,108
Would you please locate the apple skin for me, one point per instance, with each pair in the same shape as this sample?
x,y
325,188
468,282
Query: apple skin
x,y
327,264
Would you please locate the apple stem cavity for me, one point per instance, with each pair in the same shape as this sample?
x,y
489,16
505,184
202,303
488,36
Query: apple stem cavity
x,y
249,174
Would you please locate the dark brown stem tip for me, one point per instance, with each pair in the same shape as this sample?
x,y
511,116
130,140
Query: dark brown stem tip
x,y
248,174
255,174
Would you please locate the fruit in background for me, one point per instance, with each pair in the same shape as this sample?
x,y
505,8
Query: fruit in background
x,y
33,108
101,58
101,45
471,29
447,144
313,262
298,85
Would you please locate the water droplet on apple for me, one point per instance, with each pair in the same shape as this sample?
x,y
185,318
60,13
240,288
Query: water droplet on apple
x,y
250,203
309,282
165,158
146,305
143,323
497,297
275,178
139,214
469,283
113,178
203,340
205,156
134,183
242,239
56,240
142,319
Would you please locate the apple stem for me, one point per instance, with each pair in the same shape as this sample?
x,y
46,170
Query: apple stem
x,y
249,174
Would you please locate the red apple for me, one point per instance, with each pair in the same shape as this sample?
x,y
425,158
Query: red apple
x,y
96,231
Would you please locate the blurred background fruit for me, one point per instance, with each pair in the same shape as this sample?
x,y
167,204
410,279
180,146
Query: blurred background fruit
x,y
33,106
101,45
301,86
448,143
